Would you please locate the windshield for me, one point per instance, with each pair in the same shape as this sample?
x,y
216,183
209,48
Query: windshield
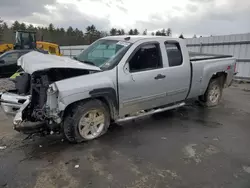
x,y
104,53
4,54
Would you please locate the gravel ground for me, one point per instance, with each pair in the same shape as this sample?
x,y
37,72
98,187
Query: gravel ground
x,y
6,84
191,147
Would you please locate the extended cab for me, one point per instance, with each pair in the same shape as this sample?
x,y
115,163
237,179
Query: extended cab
x,y
115,79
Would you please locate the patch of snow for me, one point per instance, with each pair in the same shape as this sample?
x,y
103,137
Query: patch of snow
x,y
2,147
77,166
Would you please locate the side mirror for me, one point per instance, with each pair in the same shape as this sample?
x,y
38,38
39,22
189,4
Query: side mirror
x,y
2,61
126,68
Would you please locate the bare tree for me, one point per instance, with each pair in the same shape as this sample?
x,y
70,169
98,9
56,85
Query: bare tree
x,y
169,32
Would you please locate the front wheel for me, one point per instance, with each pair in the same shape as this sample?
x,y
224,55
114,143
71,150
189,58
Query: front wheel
x,y
87,121
213,94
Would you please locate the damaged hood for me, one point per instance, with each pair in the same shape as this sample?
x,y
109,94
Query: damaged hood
x,y
36,61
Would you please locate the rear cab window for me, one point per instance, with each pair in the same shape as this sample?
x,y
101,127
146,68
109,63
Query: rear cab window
x,y
174,53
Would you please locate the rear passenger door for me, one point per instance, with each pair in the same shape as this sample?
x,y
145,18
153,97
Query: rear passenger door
x,y
177,70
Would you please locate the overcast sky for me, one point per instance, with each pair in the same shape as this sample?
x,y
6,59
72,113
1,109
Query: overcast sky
x,y
201,17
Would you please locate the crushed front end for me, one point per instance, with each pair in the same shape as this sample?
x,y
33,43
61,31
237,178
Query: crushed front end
x,y
15,104
28,104
34,102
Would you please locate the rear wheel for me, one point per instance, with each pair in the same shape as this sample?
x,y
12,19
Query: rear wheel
x,y
213,94
86,121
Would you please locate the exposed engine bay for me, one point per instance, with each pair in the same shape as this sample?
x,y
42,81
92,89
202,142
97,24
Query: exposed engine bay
x,y
35,101
37,86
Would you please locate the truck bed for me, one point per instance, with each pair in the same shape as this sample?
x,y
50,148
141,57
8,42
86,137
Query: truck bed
x,y
204,66
196,56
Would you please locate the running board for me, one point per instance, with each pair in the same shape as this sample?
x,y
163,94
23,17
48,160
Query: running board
x,y
151,112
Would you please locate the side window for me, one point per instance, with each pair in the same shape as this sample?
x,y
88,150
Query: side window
x,y
147,57
10,58
52,50
174,54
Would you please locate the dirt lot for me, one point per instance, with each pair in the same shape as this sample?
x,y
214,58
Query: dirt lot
x,y
190,147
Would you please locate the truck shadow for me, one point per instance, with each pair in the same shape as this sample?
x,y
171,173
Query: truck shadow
x,y
178,120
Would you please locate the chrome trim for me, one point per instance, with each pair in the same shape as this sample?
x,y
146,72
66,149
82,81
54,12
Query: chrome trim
x,y
151,112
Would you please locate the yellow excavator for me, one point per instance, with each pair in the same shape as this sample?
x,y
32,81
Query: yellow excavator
x,y
26,40
51,48
24,37
6,47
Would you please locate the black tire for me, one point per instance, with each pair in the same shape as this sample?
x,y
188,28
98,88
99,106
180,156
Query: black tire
x,y
206,98
72,118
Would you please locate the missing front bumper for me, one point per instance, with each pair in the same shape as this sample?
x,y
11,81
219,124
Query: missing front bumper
x,y
11,103
28,127
15,105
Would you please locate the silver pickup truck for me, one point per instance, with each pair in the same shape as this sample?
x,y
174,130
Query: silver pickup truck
x,y
115,79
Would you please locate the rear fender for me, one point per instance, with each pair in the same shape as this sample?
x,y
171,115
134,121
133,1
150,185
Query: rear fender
x,y
221,75
220,67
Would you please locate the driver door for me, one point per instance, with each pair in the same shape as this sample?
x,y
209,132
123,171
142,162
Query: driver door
x,y
141,81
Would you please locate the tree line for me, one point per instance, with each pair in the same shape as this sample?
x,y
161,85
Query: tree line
x,y
69,36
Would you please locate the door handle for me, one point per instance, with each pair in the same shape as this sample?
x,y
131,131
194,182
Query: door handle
x,y
159,76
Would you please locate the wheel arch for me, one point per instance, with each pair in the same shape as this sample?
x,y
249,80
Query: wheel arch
x,y
217,75
109,97
105,95
221,75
